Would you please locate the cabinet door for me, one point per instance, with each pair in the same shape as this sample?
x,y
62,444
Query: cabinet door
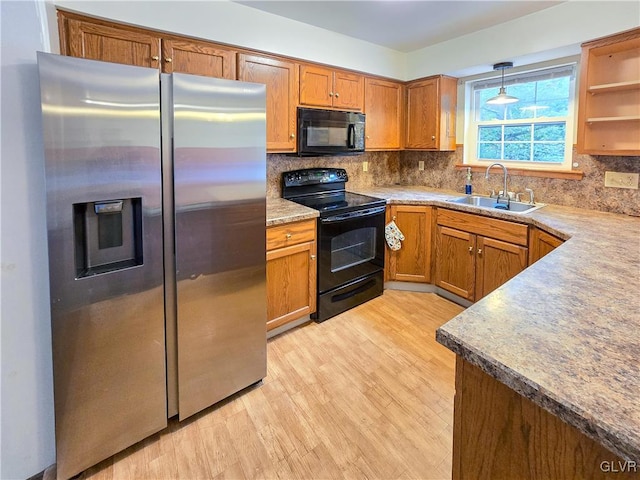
x,y
198,58
281,79
497,262
455,261
348,91
412,263
109,44
541,243
422,115
383,107
291,283
316,86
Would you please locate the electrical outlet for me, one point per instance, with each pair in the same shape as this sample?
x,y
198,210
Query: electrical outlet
x,y
421,165
621,180
365,166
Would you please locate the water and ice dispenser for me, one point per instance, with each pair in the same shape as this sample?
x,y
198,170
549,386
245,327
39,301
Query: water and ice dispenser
x,y
108,235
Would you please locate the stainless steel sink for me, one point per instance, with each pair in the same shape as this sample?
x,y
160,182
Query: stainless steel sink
x,y
491,203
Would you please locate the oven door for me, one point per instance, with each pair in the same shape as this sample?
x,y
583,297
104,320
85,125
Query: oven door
x,y
351,247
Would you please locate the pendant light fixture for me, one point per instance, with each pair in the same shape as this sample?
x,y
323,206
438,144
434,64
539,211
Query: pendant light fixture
x,y
502,98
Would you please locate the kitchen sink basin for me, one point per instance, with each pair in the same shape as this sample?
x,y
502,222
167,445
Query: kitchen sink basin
x,y
491,203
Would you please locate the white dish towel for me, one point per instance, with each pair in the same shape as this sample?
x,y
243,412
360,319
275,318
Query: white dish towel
x,y
393,235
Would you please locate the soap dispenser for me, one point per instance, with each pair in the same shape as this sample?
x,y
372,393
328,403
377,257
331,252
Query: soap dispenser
x,y
467,185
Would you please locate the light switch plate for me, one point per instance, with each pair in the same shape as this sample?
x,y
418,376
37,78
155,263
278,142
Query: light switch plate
x,y
621,180
365,166
421,165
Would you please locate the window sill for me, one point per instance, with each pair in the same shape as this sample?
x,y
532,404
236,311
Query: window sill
x,y
525,172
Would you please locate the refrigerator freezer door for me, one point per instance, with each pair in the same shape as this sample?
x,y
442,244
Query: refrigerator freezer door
x,y
220,189
101,125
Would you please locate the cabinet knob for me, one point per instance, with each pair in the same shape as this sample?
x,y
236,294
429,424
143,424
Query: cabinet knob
x,y
479,251
433,137
168,60
288,236
470,249
337,95
155,58
293,135
313,257
331,94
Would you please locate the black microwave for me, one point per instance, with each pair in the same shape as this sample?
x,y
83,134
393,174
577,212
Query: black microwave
x,y
330,132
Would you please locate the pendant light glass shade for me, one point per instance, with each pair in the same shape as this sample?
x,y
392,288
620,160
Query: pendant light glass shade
x,y
502,98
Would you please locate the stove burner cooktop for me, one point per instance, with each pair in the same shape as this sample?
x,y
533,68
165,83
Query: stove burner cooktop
x,y
323,189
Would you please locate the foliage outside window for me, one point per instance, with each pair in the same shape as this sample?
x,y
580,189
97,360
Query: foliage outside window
x,y
536,132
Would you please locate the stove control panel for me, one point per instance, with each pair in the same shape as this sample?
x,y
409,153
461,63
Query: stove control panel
x,y
314,176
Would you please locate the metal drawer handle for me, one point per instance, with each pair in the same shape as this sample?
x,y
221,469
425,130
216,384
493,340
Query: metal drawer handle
x,y
288,236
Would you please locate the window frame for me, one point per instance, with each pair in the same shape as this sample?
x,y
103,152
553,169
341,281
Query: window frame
x,y
471,126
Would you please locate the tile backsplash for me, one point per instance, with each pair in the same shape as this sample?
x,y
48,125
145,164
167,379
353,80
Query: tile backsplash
x,y
401,168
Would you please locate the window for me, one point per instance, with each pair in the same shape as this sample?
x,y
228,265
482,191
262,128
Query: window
x,y
536,132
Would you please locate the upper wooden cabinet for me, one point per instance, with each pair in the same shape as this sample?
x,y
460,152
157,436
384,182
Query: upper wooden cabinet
x,y
198,58
98,41
383,107
431,114
109,42
325,87
281,78
609,108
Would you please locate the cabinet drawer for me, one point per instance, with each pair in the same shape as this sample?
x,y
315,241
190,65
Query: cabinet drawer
x,y
489,227
291,234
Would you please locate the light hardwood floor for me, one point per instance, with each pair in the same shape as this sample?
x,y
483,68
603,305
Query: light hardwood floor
x,y
366,394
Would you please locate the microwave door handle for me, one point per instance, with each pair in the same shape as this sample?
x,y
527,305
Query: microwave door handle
x,y
351,136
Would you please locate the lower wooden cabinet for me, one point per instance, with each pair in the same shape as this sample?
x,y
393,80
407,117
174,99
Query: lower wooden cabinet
x,y
291,272
412,263
499,434
541,243
475,254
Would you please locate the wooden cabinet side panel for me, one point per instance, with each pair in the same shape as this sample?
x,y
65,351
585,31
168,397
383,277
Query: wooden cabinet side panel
x,y
455,261
498,434
383,107
448,107
198,58
110,44
281,79
496,263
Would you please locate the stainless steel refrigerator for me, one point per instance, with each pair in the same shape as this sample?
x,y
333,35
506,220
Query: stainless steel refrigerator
x,y
156,208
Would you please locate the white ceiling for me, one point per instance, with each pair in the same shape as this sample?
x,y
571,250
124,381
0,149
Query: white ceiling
x,y
402,25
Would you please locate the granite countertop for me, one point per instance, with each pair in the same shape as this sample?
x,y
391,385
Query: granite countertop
x,y
280,211
565,332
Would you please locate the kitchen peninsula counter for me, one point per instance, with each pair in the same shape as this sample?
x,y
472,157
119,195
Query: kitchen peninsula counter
x,y
564,333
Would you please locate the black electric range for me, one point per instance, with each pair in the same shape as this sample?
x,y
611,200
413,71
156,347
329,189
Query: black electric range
x,y
350,238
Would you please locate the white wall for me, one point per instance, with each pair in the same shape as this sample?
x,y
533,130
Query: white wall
x,y
236,24
551,33
26,386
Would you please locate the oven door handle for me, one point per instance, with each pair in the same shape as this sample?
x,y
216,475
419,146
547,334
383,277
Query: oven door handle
x,y
369,212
